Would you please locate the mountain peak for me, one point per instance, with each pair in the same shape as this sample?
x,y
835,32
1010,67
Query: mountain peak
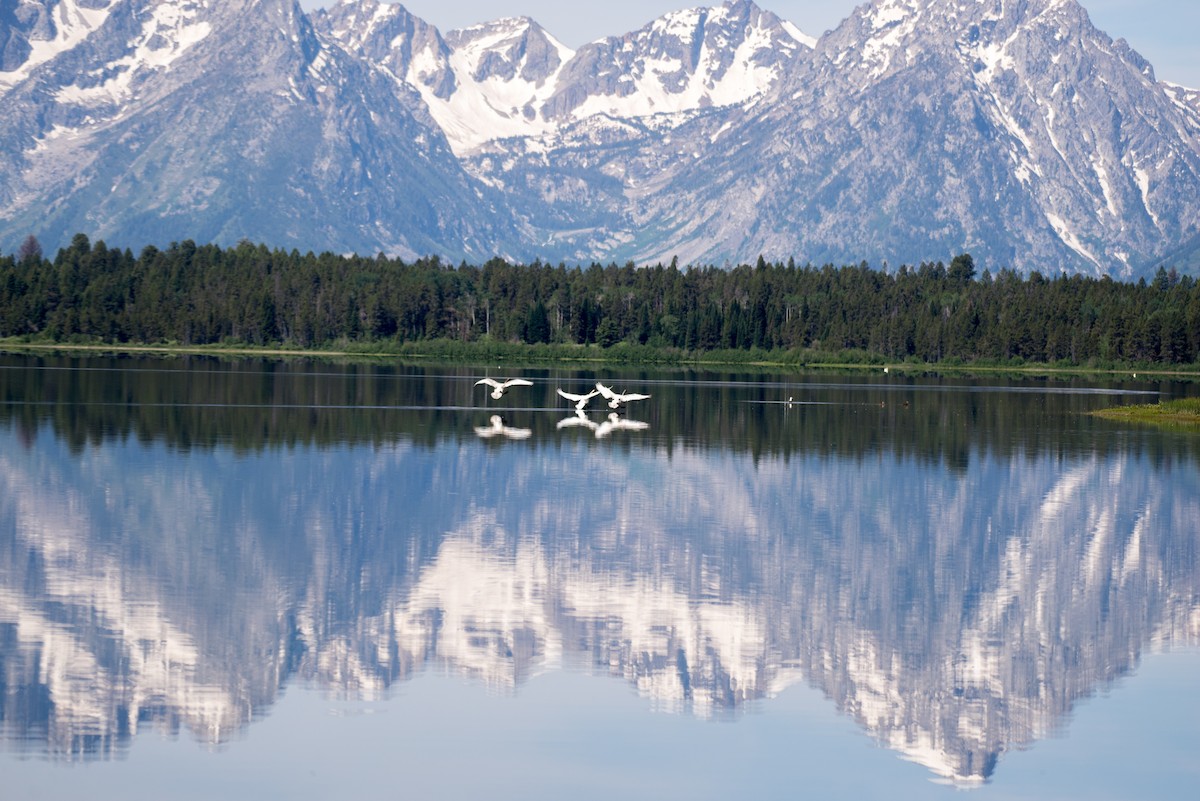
x,y
886,36
518,25
508,48
681,62
412,51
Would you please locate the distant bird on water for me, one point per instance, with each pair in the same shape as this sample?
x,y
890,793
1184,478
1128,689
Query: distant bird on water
x,y
617,399
498,387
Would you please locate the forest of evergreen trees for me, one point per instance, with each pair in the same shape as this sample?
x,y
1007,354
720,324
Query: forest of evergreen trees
x,y
204,294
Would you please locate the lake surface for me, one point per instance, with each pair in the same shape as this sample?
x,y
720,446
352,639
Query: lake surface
x,y
257,579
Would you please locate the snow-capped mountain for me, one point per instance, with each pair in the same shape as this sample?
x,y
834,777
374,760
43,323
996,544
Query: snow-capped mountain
x,y
1016,131
153,120
479,83
510,78
915,130
692,59
1083,150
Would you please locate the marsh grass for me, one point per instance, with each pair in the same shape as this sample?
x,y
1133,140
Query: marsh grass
x,y
1182,414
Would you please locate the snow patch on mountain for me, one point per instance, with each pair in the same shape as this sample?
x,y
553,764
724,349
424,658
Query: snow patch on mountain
x,y
799,35
63,26
510,78
1187,101
506,71
1070,239
170,30
683,61
893,22
726,70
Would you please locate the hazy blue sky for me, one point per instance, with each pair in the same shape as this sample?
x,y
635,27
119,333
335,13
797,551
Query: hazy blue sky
x,y
1164,31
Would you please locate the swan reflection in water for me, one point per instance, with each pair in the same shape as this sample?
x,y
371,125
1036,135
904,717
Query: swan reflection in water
x,y
613,422
497,427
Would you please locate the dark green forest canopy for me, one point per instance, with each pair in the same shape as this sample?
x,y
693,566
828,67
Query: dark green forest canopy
x,y
193,294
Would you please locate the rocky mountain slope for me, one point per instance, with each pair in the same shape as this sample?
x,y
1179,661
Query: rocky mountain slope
x,y
1015,129
154,120
915,130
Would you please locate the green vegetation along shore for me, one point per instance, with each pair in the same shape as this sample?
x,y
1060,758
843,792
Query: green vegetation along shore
x,y
1181,413
623,354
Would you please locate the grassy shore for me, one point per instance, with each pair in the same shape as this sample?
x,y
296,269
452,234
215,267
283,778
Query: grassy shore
x,y
1183,413
626,354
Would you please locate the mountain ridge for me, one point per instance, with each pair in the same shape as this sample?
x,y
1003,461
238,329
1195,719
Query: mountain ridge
x,y
916,129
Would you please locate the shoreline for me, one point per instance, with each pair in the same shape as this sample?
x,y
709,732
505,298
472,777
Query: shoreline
x,y
519,353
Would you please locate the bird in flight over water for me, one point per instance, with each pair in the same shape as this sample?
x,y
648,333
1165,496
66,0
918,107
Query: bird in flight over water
x,y
499,387
617,399
580,401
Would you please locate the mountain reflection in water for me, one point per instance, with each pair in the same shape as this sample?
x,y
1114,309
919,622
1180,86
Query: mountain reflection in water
x,y
954,597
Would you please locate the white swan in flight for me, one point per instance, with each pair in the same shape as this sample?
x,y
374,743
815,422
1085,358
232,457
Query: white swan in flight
x,y
580,401
498,387
617,399
497,427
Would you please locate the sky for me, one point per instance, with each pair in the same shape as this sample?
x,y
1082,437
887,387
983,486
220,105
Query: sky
x,y
1163,31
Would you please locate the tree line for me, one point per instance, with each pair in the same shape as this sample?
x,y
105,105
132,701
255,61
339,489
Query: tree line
x,y
193,294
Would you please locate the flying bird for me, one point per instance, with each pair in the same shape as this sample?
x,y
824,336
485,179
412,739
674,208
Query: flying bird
x,y
618,399
580,401
498,387
497,427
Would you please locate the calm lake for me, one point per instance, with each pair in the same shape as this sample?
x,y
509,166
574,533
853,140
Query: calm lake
x,y
304,580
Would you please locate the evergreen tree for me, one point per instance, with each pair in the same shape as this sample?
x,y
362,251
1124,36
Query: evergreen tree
x,y
537,326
